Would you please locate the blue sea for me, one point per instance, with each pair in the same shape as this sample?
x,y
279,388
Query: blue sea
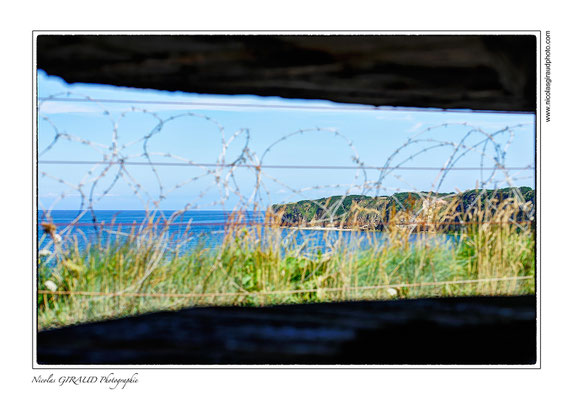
x,y
206,227
193,228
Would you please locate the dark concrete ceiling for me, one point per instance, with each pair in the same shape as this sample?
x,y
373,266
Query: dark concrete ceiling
x,y
480,72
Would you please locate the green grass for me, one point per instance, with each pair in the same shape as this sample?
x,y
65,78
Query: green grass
x,y
249,268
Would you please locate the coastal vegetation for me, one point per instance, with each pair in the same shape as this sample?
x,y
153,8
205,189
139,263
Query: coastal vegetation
x,y
447,244
376,213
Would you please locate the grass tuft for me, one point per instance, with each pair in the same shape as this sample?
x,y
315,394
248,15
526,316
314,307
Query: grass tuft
x,y
256,265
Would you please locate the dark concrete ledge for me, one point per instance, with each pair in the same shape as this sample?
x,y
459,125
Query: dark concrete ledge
x,y
480,72
452,331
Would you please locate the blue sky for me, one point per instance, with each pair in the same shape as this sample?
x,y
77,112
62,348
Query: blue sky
x,y
332,135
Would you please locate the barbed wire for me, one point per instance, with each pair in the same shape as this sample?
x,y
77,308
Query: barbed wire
x,y
115,166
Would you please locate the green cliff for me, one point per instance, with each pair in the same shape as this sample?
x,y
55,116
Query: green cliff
x,y
373,213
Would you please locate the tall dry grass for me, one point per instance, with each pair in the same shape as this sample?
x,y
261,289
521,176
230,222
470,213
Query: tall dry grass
x,y
261,265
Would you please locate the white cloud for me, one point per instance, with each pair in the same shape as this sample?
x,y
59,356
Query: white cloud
x,y
63,107
415,127
52,107
491,125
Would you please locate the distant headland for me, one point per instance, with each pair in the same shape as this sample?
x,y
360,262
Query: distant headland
x,y
409,208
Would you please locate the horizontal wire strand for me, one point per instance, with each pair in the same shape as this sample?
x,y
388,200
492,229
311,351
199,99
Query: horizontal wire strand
x,y
336,107
270,293
140,223
256,166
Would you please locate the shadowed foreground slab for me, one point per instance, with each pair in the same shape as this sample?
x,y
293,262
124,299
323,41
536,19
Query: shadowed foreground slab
x,y
480,330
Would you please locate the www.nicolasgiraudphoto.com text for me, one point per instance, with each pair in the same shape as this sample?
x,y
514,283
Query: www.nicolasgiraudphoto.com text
x,y
547,76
